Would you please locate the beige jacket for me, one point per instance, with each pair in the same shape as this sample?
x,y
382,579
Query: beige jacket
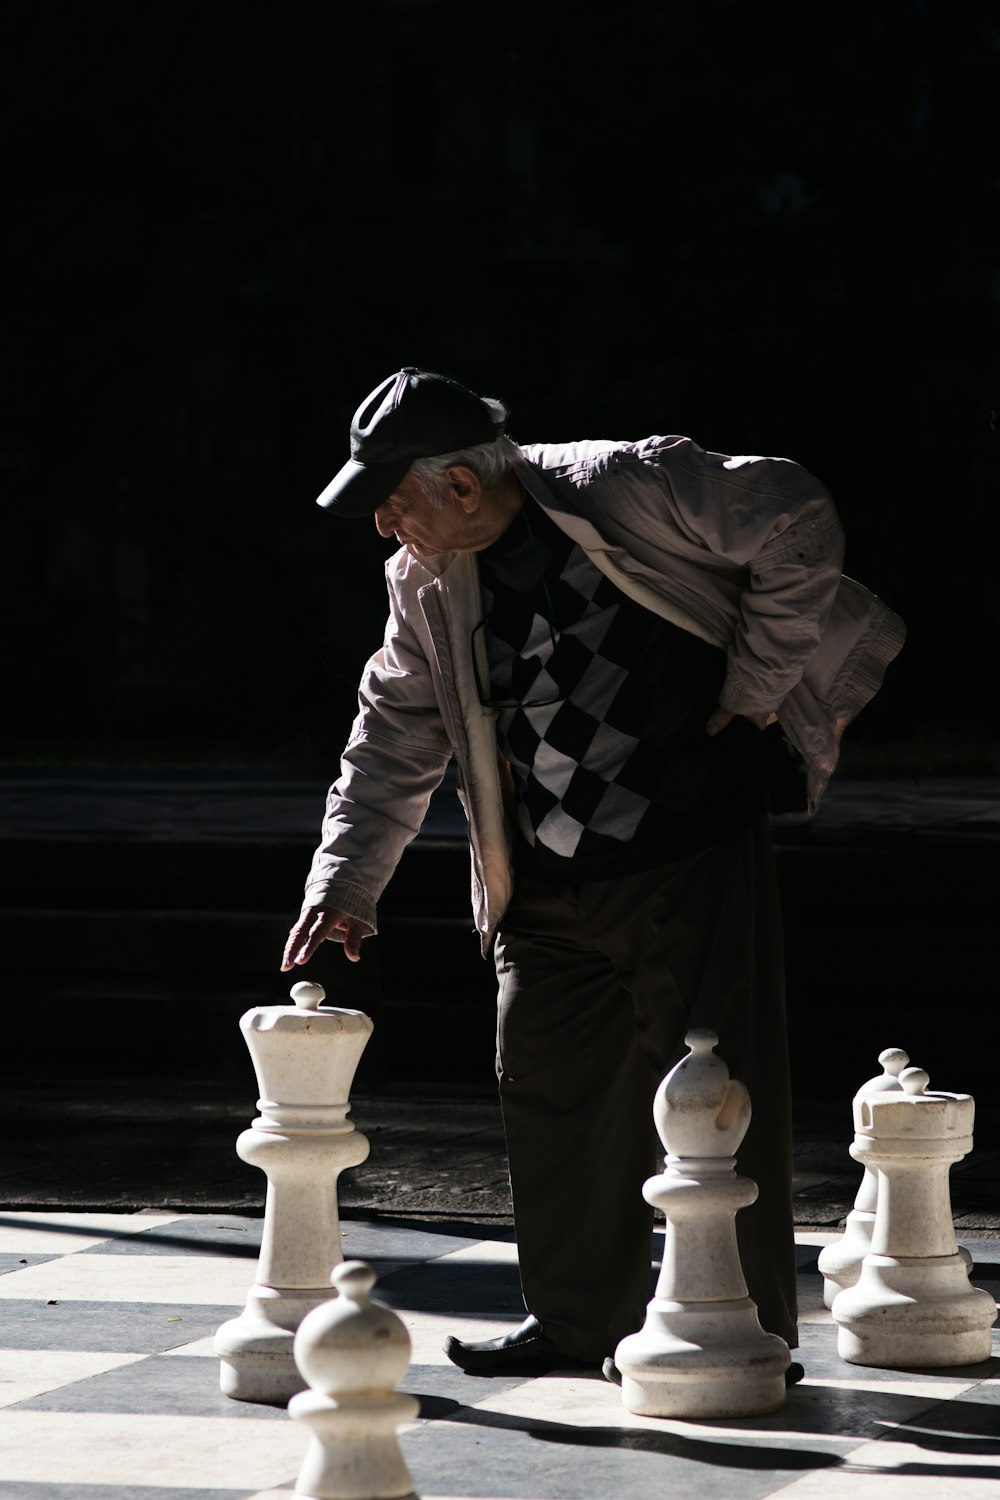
x,y
744,552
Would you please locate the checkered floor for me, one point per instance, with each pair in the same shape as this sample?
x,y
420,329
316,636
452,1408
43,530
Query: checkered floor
x,y
109,1387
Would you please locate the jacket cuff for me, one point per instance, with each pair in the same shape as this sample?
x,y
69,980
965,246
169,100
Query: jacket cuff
x,y
737,697
353,900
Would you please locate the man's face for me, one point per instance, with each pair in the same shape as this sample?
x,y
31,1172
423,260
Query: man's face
x,y
424,528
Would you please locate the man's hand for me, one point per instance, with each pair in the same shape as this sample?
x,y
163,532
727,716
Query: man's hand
x,y
315,926
722,717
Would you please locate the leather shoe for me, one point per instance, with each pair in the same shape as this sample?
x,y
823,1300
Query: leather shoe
x,y
525,1351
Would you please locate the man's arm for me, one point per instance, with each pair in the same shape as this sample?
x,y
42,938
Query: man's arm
x,y
394,760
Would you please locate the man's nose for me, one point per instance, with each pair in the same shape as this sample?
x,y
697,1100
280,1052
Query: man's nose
x,y
383,522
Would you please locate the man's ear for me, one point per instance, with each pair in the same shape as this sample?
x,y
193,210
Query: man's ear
x,y
464,487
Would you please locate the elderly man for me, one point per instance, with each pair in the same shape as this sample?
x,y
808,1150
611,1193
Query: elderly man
x,y
597,632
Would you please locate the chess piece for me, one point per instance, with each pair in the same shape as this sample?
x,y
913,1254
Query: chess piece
x,y
701,1351
353,1353
912,1303
840,1263
304,1056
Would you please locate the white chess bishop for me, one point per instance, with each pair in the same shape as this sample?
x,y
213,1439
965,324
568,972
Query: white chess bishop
x,y
840,1263
701,1351
304,1056
352,1353
913,1304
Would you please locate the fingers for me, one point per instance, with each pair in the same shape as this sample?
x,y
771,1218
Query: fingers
x,y
353,933
722,717
718,721
314,926
299,948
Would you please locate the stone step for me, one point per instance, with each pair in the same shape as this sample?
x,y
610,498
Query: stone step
x,y
136,917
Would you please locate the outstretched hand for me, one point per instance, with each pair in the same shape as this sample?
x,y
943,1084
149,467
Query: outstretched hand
x,y
319,924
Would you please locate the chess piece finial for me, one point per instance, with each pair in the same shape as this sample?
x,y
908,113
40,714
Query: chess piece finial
x,y
914,1081
307,995
912,1303
701,1351
698,1109
353,1352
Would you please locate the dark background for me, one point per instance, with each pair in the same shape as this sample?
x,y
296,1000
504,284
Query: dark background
x,y
770,227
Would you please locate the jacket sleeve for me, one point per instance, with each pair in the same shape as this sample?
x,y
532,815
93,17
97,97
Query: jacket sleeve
x,y
774,523
395,758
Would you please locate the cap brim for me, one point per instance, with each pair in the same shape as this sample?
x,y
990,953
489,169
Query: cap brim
x,y
359,489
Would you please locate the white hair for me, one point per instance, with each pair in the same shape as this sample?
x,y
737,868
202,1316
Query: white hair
x,y
489,461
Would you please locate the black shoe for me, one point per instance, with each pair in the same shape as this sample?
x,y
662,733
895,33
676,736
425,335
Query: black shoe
x,y
794,1373
526,1351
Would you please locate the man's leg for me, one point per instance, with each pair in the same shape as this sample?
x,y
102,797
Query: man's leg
x,y
598,985
577,1090
705,939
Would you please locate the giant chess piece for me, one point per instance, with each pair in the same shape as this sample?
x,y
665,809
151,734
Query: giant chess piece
x,y
304,1056
701,1351
912,1304
840,1263
353,1353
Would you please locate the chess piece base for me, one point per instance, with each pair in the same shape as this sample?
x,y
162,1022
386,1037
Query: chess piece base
x,y
702,1360
914,1311
255,1350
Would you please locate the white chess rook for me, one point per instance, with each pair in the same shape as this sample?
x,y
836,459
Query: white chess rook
x,y
913,1304
701,1351
305,1056
353,1353
840,1263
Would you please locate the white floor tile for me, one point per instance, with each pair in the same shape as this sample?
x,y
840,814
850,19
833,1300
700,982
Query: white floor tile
x,y
65,1233
498,1251
134,1278
31,1372
579,1402
211,1453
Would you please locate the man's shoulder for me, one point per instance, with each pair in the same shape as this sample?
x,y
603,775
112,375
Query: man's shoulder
x,y
603,470
592,458
560,457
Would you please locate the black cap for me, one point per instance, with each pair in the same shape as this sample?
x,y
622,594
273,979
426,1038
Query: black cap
x,y
413,414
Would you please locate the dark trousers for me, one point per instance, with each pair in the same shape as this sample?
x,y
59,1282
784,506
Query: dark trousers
x,y
599,981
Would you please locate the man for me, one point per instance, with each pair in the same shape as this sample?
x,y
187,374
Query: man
x,y
598,634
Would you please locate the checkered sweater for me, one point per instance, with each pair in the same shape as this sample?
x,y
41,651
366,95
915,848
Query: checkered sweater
x,y
601,713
